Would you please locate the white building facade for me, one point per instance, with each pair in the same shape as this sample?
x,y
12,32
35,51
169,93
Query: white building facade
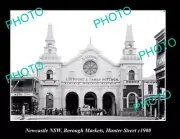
x,y
91,79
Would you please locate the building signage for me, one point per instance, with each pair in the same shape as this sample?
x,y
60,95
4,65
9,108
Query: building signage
x,y
92,79
21,94
89,57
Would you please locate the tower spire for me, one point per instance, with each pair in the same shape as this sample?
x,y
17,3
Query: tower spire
x,y
50,39
129,40
50,33
129,34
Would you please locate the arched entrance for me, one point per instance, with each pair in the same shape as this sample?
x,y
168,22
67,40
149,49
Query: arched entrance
x,y
72,102
132,98
90,99
109,103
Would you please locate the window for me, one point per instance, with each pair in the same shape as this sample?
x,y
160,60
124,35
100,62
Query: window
x,y
109,74
131,75
90,67
49,75
150,89
131,100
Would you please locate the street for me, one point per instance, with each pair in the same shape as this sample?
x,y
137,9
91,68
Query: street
x,y
78,118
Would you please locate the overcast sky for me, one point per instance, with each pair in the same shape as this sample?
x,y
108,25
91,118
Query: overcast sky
x,y
73,29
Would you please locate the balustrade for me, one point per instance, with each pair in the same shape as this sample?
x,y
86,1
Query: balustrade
x,y
131,82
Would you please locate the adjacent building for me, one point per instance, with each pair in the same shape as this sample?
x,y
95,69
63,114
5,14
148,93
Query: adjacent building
x,y
24,91
160,70
150,89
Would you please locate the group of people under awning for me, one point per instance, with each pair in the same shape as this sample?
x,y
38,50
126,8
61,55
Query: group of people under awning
x,y
86,110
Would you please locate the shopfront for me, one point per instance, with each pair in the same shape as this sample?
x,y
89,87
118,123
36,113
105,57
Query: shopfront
x,y
24,91
30,102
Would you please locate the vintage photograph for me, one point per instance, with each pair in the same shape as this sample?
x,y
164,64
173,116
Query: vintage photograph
x,y
64,68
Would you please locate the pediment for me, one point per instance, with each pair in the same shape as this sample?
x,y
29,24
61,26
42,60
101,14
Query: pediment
x,y
90,52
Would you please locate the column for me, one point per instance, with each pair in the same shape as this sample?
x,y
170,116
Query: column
x,y
62,97
63,101
59,91
81,101
121,99
165,108
99,102
151,110
121,89
155,112
114,107
145,110
117,106
159,108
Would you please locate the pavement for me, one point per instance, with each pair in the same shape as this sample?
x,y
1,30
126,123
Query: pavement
x,y
80,118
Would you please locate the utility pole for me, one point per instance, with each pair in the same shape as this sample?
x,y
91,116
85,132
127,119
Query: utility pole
x,y
14,86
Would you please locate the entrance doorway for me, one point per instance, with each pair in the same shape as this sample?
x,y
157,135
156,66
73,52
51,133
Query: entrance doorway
x,y
72,102
109,103
90,99
49,101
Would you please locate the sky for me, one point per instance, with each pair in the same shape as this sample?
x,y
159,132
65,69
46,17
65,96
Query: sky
x,y
72,31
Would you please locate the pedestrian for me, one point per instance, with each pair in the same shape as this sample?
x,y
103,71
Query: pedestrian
x,y
23,112
60,111
56,112
101,112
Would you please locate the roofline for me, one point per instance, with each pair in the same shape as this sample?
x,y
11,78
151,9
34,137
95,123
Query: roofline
x,y
159,33
19,78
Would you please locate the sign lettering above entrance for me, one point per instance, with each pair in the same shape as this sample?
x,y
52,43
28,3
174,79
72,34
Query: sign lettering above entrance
x,y
92,79
21,94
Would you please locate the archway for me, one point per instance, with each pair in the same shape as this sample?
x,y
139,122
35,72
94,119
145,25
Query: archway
x,y
132,98
109,103
90,99
72,102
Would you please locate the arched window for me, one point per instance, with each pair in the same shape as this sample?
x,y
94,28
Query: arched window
x,y
49,75
131,75
131,100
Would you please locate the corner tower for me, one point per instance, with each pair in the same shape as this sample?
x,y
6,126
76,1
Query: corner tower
x,y
130,60
131,73
50,75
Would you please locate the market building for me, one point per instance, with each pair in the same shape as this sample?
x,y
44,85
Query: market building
x,y
92,79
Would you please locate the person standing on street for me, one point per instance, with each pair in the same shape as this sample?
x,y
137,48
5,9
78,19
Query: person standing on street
x,y
23,112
